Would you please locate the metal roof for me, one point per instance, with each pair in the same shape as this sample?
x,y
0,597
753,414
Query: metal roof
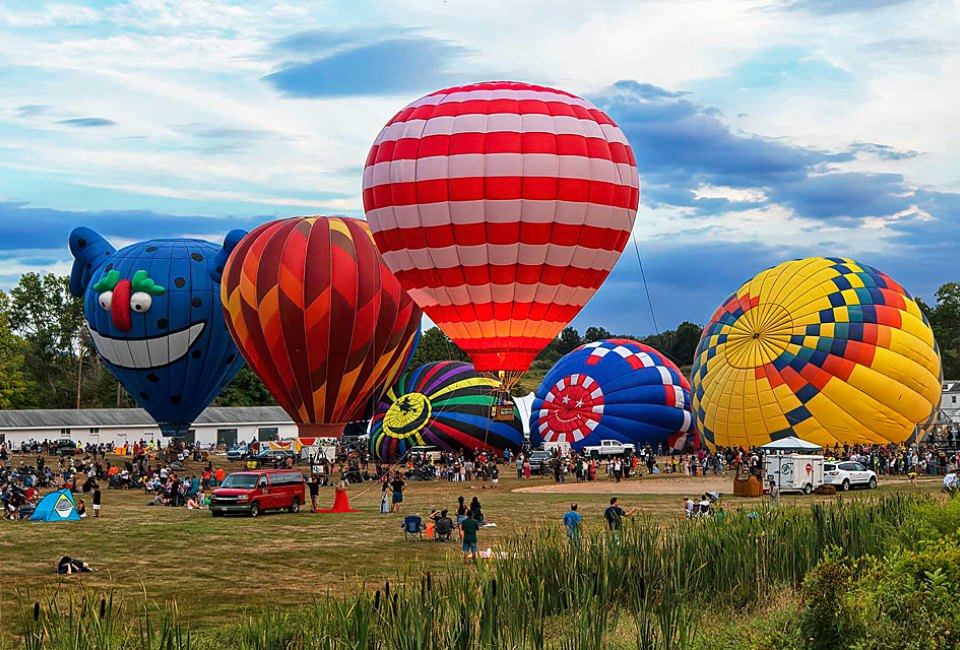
x,y
133,417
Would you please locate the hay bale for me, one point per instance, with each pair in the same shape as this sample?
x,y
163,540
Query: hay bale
x,y
826,489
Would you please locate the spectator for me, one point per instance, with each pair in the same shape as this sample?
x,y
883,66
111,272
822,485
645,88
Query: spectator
x,y
573,521
397,485
468,534
614,515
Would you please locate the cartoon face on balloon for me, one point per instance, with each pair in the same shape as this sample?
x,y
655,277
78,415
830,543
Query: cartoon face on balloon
x,y
153,311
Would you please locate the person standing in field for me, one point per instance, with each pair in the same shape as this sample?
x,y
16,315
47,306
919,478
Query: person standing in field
x,y
614,515
96,500
314,486
573,521
397,485
468,533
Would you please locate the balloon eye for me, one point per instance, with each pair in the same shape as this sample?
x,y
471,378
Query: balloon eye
x,y
140,302
105,300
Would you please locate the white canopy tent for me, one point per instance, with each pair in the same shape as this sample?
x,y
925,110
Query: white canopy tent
x,y
790,444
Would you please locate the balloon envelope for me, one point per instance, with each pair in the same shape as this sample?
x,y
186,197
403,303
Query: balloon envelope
x,y
153,311
613,389
824,349
319,317
501,207
445,404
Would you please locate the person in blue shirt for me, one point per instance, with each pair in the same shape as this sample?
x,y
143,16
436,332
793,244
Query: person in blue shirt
x,y
572,521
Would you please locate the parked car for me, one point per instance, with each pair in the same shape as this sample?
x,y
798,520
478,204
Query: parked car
x,y
240,453
66,447
273,457
253,492
847,474
609,448
539,461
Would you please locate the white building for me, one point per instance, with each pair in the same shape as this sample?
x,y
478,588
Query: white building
x,y
217,425
950,401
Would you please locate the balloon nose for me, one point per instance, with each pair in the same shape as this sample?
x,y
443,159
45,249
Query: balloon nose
x,y
120,306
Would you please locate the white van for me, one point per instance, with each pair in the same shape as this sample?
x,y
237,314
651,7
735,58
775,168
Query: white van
x,y
794,472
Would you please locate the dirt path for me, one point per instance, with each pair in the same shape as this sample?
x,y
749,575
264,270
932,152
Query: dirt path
x,y
694,485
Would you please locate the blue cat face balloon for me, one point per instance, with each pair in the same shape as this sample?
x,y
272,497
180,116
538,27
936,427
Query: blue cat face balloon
x,y
153,310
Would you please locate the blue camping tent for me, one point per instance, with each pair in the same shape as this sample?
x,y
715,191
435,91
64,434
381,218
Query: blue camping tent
x,y
56,506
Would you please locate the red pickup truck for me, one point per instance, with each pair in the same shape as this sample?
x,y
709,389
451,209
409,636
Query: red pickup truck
x,y
255,491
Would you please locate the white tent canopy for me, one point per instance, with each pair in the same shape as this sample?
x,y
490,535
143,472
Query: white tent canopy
x,y
790,444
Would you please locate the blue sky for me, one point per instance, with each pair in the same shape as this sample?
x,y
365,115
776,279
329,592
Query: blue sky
x,y
764,130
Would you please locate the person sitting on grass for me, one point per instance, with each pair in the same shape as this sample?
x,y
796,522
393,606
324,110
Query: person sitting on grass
x,y
81,508
468,532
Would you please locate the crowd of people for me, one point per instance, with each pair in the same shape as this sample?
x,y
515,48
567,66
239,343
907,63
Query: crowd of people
x,y
158,471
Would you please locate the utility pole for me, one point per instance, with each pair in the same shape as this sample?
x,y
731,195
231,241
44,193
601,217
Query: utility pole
x,y
79,375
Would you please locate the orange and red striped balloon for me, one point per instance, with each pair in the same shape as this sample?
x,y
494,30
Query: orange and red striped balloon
x,y
319,317
501,207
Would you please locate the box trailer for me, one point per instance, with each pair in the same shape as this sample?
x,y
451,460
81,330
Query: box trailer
x,y
794,472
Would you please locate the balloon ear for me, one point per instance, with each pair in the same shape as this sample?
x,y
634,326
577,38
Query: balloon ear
x,y
219,262
89,250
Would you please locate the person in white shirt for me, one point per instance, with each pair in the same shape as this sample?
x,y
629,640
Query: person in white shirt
x,y
950,483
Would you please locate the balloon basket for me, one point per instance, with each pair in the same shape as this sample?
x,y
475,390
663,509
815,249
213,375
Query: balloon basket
x,y
503,412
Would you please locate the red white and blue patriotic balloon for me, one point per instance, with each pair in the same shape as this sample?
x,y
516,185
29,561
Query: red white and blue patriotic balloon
x,y
614,389
501,207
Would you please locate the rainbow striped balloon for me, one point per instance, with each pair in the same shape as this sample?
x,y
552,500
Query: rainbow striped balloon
x,y
445,404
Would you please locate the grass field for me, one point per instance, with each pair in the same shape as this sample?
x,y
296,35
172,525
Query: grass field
x,y
216,568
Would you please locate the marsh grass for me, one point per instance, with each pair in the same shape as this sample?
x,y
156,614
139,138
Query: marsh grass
x,y
640,589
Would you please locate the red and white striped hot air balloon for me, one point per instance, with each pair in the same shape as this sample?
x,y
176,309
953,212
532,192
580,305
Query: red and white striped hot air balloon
x,y
501,207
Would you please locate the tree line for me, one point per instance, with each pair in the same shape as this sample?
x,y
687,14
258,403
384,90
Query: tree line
x,y
47,358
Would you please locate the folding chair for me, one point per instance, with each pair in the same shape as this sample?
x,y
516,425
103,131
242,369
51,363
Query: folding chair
x,y
412,527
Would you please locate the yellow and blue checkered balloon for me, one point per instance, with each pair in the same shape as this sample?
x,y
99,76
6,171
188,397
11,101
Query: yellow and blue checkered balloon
x,y
824,349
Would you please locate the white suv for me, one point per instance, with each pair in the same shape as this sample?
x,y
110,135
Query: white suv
x,y
847,474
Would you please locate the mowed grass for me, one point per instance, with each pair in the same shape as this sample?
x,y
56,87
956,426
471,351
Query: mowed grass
x,y
217,568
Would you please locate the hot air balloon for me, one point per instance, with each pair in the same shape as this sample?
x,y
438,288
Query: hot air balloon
x,y
318,317
153,311
501,207
614,389
824,349
445,404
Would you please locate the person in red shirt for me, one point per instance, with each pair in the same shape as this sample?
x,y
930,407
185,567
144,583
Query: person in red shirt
x,y
219,474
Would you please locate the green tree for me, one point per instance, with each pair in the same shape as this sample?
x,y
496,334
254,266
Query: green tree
x,y
944,319
246,389
436,346
15,388
595,334
569,340
50,320
685,343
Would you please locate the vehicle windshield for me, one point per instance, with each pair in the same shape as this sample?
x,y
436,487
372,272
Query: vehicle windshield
x,y
240,481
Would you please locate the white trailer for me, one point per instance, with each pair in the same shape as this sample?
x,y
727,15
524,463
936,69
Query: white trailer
x,y
794,472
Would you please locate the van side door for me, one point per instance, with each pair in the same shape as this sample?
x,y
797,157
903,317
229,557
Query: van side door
x,y
262,493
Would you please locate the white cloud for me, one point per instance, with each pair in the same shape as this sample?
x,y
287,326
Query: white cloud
x,y
48,15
